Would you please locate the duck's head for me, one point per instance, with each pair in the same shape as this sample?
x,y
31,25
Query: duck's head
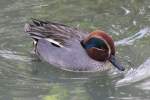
x,y
100,46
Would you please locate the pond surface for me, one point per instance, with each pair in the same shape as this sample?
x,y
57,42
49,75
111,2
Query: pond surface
x,y
24,77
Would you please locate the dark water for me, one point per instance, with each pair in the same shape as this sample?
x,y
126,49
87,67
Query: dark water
x,y
24,77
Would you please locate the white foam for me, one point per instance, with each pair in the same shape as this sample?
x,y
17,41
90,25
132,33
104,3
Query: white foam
x,y
142,72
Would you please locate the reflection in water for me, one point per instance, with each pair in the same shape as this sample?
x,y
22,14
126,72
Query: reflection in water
x,y
24,77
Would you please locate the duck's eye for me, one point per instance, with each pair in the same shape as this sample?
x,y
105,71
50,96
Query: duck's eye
x,y
95,42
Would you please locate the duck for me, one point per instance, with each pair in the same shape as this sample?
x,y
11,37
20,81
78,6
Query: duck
x,y
71,49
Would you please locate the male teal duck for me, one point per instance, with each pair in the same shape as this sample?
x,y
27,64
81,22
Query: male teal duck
x,y
71,49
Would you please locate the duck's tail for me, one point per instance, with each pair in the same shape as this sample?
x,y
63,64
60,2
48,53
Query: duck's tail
x,y
35,29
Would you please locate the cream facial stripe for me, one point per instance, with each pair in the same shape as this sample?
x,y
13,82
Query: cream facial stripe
x,y
109,49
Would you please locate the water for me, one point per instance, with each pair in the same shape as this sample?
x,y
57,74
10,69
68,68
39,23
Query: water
x,y
24,77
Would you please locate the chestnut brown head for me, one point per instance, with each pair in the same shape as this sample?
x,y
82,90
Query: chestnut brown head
x,y
100,46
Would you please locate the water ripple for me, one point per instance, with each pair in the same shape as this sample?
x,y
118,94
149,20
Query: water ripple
x,y
130,40
136,75
13,55
127,11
